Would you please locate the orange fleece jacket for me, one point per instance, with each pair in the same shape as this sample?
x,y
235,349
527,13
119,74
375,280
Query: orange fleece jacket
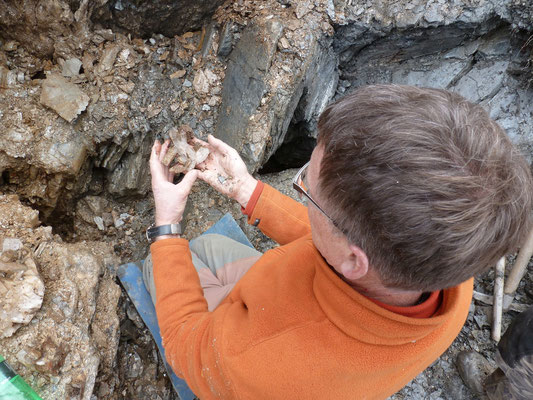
x,y
291,328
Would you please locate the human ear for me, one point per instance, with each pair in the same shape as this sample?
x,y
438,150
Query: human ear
x,y
356,265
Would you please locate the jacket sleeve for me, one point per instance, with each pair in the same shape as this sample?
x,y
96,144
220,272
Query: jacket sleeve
x,y
279,217
188,330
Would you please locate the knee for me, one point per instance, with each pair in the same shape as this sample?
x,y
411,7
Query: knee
x,y
207,240
147,268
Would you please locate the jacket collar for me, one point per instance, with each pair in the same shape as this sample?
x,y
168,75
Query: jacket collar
x,y
361,318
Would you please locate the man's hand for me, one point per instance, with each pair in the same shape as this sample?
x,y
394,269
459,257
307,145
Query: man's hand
x,y
225,171
169,199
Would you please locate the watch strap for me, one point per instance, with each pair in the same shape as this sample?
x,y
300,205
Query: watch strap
x,y
154,231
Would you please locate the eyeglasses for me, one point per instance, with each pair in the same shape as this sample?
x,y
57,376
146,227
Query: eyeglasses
x,y
298,183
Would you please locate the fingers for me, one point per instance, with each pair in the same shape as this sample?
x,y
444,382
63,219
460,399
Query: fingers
x,y
157,169
164,149
219,145
156,148
188,180
171,176
154,157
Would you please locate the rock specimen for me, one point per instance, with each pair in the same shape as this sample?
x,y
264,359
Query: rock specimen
x,y
185,151
7,77
473,369
63,97
21,288
71,67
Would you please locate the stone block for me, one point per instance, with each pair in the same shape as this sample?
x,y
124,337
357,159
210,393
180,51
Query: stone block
x,y
293,94
63,97
71,67
245,83
131,176
21,289
61,157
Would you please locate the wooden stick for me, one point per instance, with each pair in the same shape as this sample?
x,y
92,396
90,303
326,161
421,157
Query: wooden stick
x,y
484,298
489,300
520,265
499,273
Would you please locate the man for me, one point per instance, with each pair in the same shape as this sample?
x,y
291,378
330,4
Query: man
x,y
412,192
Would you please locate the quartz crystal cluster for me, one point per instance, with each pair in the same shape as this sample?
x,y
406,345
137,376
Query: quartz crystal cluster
x,y
185,152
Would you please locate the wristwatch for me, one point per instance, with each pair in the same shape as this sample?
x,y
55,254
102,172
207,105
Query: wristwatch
x,y
154,231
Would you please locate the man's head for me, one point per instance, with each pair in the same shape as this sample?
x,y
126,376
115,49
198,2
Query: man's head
x,y
424,182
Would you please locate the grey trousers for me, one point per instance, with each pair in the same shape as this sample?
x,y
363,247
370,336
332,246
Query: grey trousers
x,y
220,263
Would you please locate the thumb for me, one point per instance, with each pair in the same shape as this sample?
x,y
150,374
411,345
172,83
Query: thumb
x,y
188,180
219,145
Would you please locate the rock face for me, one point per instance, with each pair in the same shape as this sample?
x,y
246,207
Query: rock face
x,y
145,18
75,332
45,27
463,49
61,27
282,69
39,151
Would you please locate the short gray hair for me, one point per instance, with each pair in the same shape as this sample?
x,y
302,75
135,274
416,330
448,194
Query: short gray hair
x,y
424,182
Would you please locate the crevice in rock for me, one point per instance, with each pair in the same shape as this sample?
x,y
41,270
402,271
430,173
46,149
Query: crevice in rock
x,y
38,75
293,153
61,221
4,178
466,69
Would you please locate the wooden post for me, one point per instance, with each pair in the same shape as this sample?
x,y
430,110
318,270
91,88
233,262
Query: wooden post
x,y
520,265
499,273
